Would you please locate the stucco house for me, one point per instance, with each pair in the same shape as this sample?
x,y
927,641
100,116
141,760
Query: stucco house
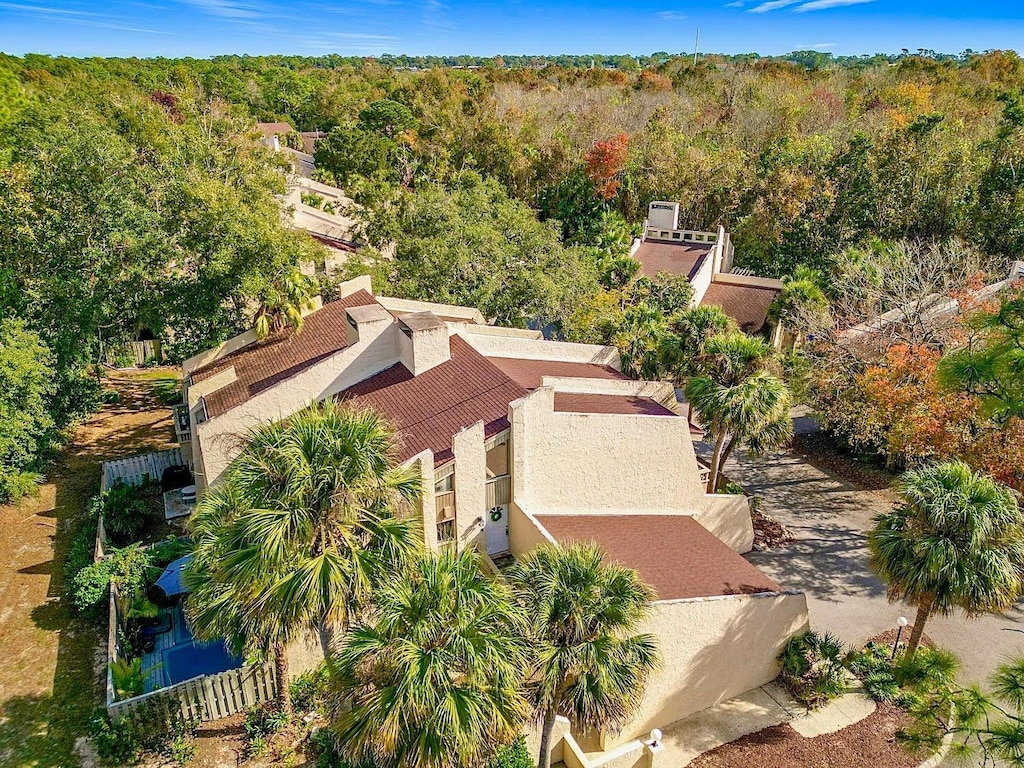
x,y
706,258
521,441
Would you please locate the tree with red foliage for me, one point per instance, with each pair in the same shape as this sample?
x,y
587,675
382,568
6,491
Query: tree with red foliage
x,y
604,162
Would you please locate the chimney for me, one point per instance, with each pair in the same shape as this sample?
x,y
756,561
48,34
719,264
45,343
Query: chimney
x,y
424,341
662,215
366,323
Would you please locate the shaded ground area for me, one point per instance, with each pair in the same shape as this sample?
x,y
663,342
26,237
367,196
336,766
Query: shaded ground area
x,y
871,742
48,680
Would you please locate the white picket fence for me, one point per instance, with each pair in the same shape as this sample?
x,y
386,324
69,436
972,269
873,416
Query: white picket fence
x,y
209,697
135,470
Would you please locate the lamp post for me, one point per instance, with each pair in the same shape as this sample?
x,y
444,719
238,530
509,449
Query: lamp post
x,y
901,622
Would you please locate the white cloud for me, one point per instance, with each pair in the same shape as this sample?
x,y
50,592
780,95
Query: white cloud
x,y
670,15
231,9
814,46
821,5
736,4
772,5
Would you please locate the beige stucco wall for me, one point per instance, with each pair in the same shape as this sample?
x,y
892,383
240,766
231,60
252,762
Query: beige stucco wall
x,y
470,486
592,463
712,649
218,437
727,515
403,306
524,532
490,345
425,508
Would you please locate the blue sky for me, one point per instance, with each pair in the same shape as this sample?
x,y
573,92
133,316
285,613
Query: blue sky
x,y
371,27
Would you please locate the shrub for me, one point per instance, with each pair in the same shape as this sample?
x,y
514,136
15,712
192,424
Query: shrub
x,y
323,749
513,756
182,750
115,743
128,678
129,510
263,720
309,690
812,668
125,567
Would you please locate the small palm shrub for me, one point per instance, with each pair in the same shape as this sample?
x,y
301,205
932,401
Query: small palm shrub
x,y
129,511
128,678
908,680
812,668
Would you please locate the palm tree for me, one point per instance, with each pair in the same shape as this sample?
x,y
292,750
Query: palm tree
x,y
284,303
312,520
685,342
753,412
435,679
588,667
954,540
638,338
800,303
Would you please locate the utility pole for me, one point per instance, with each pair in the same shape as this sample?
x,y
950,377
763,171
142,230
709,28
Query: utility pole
x,y
696,45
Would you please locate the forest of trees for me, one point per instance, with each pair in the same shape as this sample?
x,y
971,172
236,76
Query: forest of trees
x,y
135,194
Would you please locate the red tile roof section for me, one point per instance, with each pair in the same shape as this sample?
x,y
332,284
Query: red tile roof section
x,y
673,553
676,258
430,408
261,365
746,304
574,402
530,373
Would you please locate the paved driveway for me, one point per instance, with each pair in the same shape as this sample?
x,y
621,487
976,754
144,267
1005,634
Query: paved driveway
x,y
828,561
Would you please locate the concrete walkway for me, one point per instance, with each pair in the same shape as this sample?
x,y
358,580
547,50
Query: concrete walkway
x,y
828,560
754,711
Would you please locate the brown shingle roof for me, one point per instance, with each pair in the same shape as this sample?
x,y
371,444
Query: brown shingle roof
x,y
746,304
273,129
673,553
430,408
530,373
265,363
676,258
575,402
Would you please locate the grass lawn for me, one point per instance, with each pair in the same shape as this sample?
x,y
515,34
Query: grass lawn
x,y
52,662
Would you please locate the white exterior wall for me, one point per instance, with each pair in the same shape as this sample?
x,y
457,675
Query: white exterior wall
x,y
712,650
703,278
660,391
575,462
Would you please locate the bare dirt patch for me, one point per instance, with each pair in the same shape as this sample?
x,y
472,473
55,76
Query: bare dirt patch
x,y
48,684
870,742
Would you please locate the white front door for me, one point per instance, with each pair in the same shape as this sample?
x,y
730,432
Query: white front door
x,y
496,529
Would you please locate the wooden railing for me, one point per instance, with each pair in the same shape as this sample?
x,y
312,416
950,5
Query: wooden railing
x,y
182,427
499,491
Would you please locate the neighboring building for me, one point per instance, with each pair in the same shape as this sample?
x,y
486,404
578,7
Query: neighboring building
x,y
923,321
521,441
706,260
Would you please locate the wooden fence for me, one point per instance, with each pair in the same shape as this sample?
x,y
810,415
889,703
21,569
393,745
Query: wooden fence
x,y
209,697
135,470
135,353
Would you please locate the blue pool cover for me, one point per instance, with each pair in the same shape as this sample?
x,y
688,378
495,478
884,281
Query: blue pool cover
x,y
184,662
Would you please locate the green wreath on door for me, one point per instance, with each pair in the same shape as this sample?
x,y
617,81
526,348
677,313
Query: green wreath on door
x,y
496,513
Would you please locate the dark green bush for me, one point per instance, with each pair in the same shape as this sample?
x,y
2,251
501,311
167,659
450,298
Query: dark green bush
x,y
90,587
128,511
115,743
263,720
309,690
812,668
513,756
